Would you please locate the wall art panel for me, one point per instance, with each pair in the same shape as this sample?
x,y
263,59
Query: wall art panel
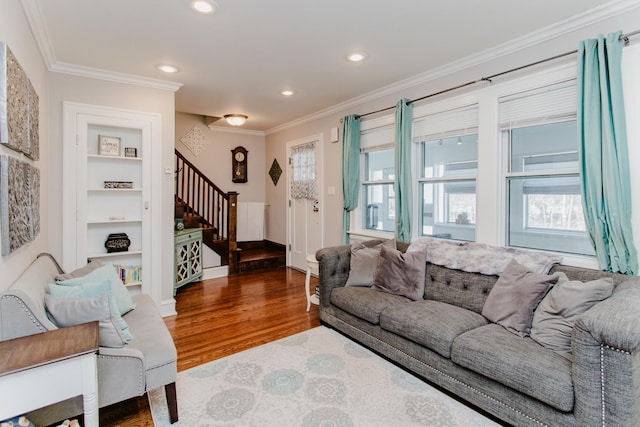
x,y
19,203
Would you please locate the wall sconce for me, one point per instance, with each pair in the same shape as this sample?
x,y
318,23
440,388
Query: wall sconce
x,y
235,119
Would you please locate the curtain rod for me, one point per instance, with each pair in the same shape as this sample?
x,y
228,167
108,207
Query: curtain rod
x,y
624,37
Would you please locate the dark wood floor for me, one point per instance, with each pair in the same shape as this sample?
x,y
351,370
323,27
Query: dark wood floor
x,y
220,317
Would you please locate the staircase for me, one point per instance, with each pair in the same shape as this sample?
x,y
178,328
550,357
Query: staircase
x,y
202,204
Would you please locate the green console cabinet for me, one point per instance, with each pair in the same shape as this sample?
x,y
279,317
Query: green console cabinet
x,y
188,257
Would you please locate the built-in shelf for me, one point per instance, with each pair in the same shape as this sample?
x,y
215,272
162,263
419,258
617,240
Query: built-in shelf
x,y
133,284
114,254
97,156
115,190
112,221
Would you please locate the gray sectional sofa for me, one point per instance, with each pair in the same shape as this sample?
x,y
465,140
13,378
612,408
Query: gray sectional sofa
x,y
444,339
148,361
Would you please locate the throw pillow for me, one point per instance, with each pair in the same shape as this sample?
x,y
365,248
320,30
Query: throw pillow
x,y
554,318
401,274
364,262
71,311
107,271
515,296
80,272
93,290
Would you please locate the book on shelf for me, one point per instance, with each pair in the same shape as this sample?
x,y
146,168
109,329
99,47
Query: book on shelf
x,y
129,273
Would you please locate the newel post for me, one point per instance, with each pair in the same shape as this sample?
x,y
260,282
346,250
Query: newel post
x,y
233,222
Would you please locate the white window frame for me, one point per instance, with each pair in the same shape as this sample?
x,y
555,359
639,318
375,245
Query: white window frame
x,y
456,103
358,231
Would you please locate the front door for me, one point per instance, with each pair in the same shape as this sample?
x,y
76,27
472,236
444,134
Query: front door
x,y
304,231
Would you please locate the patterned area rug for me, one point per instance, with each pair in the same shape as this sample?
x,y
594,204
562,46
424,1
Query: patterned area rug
x,y
315,378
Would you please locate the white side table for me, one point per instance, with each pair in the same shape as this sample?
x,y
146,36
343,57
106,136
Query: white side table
x,y
312,267
45,368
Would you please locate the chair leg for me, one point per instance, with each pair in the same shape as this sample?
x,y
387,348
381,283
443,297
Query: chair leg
x,y
172,401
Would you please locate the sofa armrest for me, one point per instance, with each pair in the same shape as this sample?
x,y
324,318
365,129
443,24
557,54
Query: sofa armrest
x,y
333,270
606,368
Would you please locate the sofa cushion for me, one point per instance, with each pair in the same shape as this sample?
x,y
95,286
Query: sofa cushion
x,y
554,318
92,290
515,296
71,311
159,351
364,262
519,363
105,271
364,303
401,273
432,324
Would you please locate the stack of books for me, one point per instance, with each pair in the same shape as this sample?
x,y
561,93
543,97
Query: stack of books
x,y
129,273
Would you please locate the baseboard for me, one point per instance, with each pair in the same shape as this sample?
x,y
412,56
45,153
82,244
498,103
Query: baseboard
x,y
215,272
168,307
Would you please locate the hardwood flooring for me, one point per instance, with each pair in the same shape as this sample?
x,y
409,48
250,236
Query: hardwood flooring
x,y
219,317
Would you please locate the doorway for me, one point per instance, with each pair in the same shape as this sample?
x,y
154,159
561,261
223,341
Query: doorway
x,y
304,194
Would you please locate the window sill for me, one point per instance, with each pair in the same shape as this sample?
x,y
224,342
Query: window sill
x,y
362,235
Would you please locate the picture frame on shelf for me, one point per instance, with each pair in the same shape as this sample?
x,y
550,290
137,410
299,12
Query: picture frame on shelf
x,y
130,152
108,145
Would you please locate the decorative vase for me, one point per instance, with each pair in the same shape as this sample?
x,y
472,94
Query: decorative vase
x,y
179,224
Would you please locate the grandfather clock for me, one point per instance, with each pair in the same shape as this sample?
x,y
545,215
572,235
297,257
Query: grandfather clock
x,y
239,164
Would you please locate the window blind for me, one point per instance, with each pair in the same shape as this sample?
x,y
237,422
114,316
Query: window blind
x,y
457,122
551,103
377,138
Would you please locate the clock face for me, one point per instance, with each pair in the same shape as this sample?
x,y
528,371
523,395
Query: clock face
x,y
240,157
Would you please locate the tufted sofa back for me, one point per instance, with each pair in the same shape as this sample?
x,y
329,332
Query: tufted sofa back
x,y
466,290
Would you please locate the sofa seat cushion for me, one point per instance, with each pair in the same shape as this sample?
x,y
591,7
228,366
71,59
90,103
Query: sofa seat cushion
x,y
517,362
432,324
365,303
157,346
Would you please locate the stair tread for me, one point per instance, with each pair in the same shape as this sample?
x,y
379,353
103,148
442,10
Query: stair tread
x,y
263,253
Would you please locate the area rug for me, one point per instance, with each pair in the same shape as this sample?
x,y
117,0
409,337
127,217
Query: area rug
x,y
314,378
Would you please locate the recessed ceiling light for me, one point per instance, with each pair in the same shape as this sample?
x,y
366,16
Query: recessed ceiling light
x,y
357,57
287,92
204,6
168,68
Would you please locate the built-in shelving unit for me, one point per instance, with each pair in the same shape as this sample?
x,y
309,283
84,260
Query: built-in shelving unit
x,y
92,211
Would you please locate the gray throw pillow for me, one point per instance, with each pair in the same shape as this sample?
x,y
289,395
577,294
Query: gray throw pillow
x,y
554,318
364,262
515,296
80,272
401,274
69,312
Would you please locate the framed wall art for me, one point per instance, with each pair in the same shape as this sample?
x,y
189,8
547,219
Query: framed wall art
x,y
108,145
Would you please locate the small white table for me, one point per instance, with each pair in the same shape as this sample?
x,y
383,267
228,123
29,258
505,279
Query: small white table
x,y
41,369
312,267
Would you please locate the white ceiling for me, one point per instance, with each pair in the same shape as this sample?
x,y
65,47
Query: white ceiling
x,y
240,58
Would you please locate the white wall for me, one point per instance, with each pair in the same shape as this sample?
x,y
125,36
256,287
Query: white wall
x,y
489,230
215,158
14,30
65,87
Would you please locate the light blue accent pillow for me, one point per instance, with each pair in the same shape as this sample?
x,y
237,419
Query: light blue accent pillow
x,y
119,292
93,290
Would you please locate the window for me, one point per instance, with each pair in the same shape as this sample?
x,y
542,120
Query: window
x,y
449,166
379,207
544,202
303,166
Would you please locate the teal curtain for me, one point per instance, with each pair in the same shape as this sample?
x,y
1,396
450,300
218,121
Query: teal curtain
x,y
403,181
603,153
350,169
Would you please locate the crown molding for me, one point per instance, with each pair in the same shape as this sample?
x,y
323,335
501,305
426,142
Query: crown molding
x,y
550,32
236,130
36,20
112,76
